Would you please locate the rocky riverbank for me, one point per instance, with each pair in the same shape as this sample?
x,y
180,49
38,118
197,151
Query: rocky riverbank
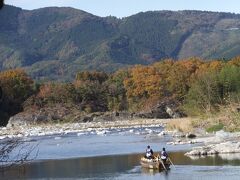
x,y
61,118
221,143
64,113
65,128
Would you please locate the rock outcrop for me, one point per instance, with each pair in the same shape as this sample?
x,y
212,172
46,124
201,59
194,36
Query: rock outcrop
x,y
43,115
221,148
63,114
163,110
103,116
222,143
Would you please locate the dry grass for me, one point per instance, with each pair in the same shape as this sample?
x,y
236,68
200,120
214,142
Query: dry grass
x,y
181,124
227,118
230,117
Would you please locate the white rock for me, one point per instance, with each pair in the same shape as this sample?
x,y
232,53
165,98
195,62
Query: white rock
x,y
81,133
131,130
150,131
2,137
222,134
193,153
67,131
10,136
163,133
101,132
41,134
19,135
57,138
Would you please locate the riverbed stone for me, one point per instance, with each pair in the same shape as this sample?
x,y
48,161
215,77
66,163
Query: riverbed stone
x,y
190,135
193,153
222,134
203,152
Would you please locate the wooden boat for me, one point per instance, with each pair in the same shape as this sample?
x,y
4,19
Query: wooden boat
x,y
154,163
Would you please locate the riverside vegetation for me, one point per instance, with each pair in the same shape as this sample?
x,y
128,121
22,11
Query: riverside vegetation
x,y
208,90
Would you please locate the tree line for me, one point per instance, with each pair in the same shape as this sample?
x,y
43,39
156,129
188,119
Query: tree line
x,y
199,86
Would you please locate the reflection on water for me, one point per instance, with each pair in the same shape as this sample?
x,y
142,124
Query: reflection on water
x,y
215,160
152,172
127,167
230,157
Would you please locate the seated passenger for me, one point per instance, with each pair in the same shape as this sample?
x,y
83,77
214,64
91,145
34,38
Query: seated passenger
x,y
149,153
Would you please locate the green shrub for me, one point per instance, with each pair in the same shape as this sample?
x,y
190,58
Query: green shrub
x,y
215,127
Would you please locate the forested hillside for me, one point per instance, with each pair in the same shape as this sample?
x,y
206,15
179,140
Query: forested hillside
x,y
56,43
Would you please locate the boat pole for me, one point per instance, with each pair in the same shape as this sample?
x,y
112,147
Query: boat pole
x,y
159,159
171,162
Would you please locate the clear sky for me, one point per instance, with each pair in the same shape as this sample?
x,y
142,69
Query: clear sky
x,y
123,8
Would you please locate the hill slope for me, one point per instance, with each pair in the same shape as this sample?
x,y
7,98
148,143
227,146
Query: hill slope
x,y
55,43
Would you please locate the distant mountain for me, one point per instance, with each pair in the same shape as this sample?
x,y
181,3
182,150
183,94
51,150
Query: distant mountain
x,y
55,43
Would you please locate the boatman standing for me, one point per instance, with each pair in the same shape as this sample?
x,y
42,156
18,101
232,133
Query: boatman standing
x,y
164,155
149,153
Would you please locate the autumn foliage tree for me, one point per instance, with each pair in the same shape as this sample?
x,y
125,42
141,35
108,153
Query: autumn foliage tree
x,y
163,80
177,76
198,85
92,91
144,82
52,93
16,87
94,76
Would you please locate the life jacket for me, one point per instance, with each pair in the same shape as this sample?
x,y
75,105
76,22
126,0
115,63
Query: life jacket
x,y
164,155
148,152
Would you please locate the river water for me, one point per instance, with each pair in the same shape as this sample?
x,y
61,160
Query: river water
x,y
115,154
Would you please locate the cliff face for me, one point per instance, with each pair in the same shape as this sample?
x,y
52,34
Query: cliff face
x,y
55,43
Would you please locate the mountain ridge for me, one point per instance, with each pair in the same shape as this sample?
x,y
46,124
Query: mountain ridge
x,y
56,42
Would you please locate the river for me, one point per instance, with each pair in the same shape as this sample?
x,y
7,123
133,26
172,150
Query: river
x,y
114,154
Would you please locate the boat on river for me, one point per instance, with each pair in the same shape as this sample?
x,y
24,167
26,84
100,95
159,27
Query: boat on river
x,y
154,163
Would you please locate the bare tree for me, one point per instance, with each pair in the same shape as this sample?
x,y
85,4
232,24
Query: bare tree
x,y
1,3
16,152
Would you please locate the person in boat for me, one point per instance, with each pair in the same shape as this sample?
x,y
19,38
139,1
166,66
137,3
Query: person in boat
x,y
149,153
164,155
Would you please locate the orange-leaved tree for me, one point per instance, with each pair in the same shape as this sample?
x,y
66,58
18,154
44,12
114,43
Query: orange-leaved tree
x,y
144,82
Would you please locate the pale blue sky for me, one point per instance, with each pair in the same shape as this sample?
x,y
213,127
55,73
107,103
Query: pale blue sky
x,y
123,8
